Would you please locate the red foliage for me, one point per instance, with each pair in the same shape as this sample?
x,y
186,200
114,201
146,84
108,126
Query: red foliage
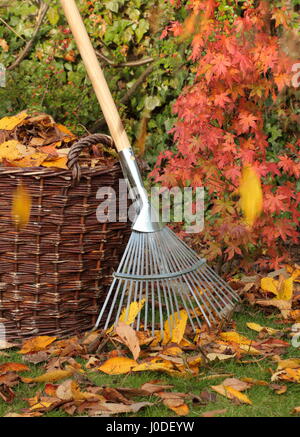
x,y
220,127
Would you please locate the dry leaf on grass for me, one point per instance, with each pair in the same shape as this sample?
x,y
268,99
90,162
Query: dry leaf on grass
x,y
118,366
13,367
155,386
258,328
36,344
129,338
52,376
214,413
231,393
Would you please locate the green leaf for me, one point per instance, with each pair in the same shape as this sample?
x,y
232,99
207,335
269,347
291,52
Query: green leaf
x,y
151,102
113,6
53,16
142,28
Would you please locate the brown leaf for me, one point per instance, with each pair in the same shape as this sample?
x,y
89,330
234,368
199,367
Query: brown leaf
x,y
177,405
6,394
10,379
208,396
296,410
36,358
214,413
129,338
155,386
237,384
113,395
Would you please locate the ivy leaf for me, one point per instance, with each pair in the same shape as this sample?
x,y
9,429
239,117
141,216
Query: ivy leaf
x,y
142,28
151,102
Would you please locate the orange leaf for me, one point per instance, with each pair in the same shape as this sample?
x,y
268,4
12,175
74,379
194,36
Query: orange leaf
x,y
13,367
57,163
36,344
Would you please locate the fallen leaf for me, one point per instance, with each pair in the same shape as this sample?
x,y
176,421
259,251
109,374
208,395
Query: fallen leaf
x,y
13,367
283,305
129,338
117,366
174,327
235,337
36,344
237,384
258,328
128,315
155,386
231,393
51,376
214,413
296,410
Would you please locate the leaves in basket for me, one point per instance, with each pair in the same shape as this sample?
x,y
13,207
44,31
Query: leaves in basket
x,y
9,123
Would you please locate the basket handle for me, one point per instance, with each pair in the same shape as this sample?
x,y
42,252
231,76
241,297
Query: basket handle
x,y
79,146
96,75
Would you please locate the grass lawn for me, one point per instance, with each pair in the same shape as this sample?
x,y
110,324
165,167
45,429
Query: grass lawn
x,y
266,403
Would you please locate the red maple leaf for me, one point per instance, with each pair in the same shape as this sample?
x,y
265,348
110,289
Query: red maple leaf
x,y
274,202
246,121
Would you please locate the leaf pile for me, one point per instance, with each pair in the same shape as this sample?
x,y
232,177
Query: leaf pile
x,y
280,289
38,141
67,366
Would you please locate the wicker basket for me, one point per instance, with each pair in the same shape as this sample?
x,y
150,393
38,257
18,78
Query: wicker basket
x,y
54,273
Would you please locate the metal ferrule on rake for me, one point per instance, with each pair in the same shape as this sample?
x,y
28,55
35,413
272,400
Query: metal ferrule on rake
x,y
147,218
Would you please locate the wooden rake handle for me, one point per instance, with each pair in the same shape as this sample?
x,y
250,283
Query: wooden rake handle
x,y
96,75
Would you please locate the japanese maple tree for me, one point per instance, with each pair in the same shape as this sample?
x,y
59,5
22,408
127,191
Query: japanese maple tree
x,y
240,70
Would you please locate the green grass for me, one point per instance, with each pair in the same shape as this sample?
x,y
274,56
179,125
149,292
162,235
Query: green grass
x,y
266,403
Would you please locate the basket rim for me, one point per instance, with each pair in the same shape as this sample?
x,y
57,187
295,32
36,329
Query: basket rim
x,y
54,171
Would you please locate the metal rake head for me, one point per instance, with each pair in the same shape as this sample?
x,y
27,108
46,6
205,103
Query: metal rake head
x,y
161,269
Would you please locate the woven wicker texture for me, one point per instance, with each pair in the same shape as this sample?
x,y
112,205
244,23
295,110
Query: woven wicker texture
x,y
55,272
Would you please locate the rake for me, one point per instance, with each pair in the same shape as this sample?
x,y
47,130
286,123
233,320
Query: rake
x,y
158,271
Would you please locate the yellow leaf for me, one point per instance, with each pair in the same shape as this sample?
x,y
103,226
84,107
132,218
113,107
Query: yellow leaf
x,y
231,393
36,344
56,375
292,363
128,317
251,196
283,289
21,207
117,366
9,123
287,289
12,150
258,328
34,160
270,285
177,323
235,337
153,366
57,163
